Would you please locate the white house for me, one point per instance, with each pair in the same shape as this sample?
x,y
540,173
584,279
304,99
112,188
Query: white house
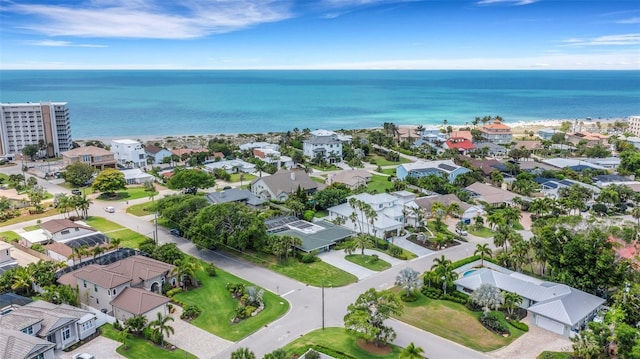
x,y
231,166
129,153
156,154
6,261
389,219
324,144
445,168
137,176
252,145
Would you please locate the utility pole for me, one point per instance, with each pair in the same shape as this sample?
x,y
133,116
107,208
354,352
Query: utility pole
x,y
323,304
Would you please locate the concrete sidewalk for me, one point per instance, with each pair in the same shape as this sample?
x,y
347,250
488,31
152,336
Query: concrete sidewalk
x,y
194,340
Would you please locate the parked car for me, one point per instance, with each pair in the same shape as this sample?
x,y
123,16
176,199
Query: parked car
x,y
461,232
76,192
83,356
109,209
176,232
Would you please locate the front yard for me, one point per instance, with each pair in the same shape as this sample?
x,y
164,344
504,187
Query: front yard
x,y
128,238
313,273
369,262
379,184
139,348
455,322
484,232
130,193
218,307
336,339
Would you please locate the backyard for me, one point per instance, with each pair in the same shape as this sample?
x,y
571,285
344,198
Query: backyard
x,y
379,184
218,307
455,322
139,348
128,238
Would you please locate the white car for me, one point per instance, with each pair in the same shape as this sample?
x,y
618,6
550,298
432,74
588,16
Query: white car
x,y
461,232
83,356
109,209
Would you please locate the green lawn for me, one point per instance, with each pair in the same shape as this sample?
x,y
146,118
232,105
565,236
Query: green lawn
x,y
454,322
139,348
381,161
406,253
129,193
389,171
517,226
368,262
321,213
337,339
218,307
141,209
379,184
555,355
24,217
314,273
31,228
246,177
128,238
483,232
326,168
9,236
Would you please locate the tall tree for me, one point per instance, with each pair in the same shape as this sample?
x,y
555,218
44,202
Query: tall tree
x,y
190,179
365,317
160,327
412,352
482,250
109,181
488,297
409,280
78,174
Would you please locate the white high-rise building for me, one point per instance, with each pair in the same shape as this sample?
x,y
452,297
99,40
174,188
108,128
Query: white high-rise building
x,y
44,123
634,125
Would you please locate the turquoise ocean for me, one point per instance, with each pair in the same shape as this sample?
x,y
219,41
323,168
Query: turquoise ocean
x,y
150,103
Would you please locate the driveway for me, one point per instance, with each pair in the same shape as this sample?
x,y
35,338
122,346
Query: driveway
x,y
420,251
532,343
336,259
100,347
194,340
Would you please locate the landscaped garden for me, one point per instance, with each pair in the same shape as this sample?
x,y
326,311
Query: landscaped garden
x,y
219,307
140,348
9,236
334,341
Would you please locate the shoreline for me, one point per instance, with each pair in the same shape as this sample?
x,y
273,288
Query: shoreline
x,y
518,128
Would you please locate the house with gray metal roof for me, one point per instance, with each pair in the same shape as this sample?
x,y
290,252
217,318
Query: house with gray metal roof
x,y
234,195
281,184
317,236
555,307
445,168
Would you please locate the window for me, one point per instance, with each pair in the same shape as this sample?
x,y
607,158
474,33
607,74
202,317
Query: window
x,y
84,283
86,326
39,356
95,287
114,291
66,231
28,330
66,333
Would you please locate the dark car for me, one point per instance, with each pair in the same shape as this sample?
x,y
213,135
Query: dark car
x,y
176,232
76,192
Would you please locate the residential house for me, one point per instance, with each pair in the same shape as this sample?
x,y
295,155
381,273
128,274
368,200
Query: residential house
x,y
491,195
635,141
551,187
387,222
136,301
184,153
418,169
234,195
252,145
590,138
468,211
6,261
273,157
318,236
61,236
461,134
280,185
156,154
408,133
529,145
15,344
606,180
634,125
492,149
129,153
99,285
60,324
497,132
610,163
137,176
325,133
91,155
351,178
547,133
230,166
62,230
462,145
575,164
555,307
486,165
323,144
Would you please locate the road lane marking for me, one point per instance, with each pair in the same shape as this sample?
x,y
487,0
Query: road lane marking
x,y
287,293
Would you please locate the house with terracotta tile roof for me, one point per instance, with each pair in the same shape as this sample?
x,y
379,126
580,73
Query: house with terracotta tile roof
x,y
91,155
462,134
590,138
136,301
460,144
497,132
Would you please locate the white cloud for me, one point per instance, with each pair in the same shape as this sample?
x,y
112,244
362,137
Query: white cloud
x,y
608,40
633,20
160,19
512,2
56,43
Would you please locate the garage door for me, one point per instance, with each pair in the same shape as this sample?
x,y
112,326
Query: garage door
x,y
550,325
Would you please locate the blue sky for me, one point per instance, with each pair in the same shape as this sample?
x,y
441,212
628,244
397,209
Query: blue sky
x,y
319,34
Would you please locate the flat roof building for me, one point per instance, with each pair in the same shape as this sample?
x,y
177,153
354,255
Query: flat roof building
x,y
23,124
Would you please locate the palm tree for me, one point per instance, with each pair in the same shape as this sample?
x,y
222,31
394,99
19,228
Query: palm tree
x,y
454,209
23,279
409,280
115,243
443,271
362,241
123,336
511,301
243,353
412,352
160,327
482,250
635,213
260,166
186,268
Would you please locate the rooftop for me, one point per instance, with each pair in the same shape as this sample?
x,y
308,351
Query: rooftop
x,y
87,150
138,301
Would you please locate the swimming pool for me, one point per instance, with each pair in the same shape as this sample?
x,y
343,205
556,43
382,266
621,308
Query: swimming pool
x,y
468,272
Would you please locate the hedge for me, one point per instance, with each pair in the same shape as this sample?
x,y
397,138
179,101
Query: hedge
x,y
322,349
492,322
519,325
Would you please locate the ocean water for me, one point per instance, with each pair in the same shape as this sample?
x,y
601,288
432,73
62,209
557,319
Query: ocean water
x,y
139,103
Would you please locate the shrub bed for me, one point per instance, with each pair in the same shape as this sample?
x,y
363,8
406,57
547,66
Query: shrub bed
x,y
519,325
493,322
433,293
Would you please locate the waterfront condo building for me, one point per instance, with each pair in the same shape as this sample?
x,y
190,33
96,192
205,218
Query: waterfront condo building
x,y
634,125
44,123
